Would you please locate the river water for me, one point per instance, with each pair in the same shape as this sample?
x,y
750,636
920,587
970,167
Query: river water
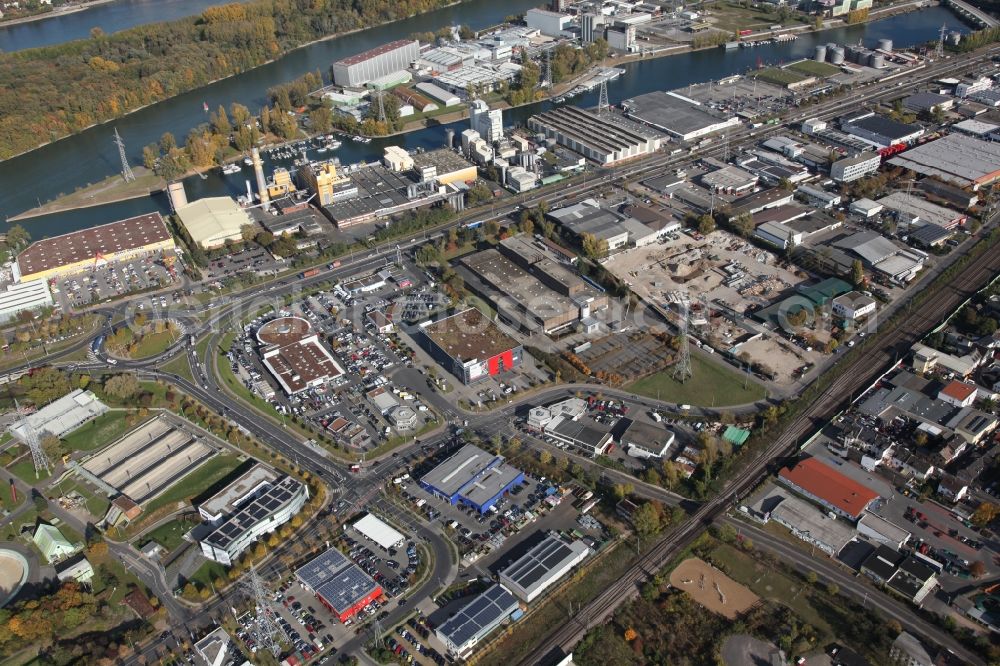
x,y
118,15
90,155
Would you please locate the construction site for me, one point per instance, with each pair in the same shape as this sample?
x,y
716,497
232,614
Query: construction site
x,y
720,279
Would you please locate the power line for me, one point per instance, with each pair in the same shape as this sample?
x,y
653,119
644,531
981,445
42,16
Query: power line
x,y
126,169
26,432
682,369
268,632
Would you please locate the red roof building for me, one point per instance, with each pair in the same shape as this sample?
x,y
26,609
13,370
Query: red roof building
x,y
958,393
828,487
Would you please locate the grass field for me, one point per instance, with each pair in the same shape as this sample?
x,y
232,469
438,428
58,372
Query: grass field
x,y
207,572
713,385
778,76
768,583
8,531
813,68
24,469
181,367
97,504
100,432
152,344
170,535
196,482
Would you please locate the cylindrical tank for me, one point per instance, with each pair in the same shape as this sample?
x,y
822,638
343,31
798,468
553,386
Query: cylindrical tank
x,y
851,53
450,137
836,55
954,37
876,61
831,45
820,55
885,44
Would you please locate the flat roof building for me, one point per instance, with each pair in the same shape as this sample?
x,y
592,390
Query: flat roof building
x,y
472,476
645,440
448,166
338,583
542,566
592,136
470,346
293,354
963,160
88,248
879,529
585,436
810,524
677,115
828,487
476,620
359,69
240,490
881,131
61,416
374,529
265,513
915,211
24,297
212,221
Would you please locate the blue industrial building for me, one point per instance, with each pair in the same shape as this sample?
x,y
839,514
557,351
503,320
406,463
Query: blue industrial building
x,y
472,477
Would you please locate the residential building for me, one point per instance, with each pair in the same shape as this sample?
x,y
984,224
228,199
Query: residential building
x,y
958,393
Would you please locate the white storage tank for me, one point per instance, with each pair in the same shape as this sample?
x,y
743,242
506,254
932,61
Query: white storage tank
x,y
885,44
876,61
820,55
836,55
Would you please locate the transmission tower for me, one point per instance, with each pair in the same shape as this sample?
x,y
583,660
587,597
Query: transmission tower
x,y
27,433
126,169
379,641
602,103
268,632
682,369
939,50
546,68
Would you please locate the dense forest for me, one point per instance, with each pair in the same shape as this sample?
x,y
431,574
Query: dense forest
x,y
51,92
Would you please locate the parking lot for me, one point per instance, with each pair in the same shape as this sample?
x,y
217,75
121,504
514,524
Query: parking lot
x,y
112,280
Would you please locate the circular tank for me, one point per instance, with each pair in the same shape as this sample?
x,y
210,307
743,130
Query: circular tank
x,y
885,44
836,55
831,45
820,55
851,53
876,61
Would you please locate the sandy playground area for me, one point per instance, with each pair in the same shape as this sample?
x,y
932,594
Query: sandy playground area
x,y
711,588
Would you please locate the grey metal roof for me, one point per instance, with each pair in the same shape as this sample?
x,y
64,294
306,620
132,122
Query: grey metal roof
x,y
490,483
956,158
459,469
535,569
480,616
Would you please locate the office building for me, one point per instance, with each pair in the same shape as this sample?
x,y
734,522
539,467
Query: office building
x,y
850,169
93,247
24,297
265,513
646,440
361,68
853,305
236,493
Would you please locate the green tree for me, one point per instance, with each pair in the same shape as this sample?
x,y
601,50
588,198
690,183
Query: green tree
x,y
646,519
123,386
220,122
150,155
706,224
17,237
857,273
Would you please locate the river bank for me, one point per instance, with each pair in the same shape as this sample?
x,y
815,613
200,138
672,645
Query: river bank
x,y
55,13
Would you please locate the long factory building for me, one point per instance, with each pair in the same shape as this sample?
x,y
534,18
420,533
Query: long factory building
x,y
359,69
82,250
592,136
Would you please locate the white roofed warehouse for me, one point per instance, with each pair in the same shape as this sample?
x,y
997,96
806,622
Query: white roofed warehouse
x,y
378,531
213,221
542,566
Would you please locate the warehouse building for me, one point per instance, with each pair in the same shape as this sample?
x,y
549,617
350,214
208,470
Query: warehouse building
x,y
61,416
473,477
476,620
677,115
645,440
265,513
878,529
881,131
379,532
88,248
438,94
595,137
914,211
470,346
212,221
293,354
827,487
238,492
963,160
542,566
338,583
803,520
24,297
390,58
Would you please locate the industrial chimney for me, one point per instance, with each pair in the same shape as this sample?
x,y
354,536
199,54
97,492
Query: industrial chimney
x,y
258,169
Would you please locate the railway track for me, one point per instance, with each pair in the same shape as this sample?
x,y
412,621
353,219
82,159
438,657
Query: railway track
x,y
865,367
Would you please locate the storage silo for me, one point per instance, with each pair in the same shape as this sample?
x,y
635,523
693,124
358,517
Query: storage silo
x,y
831,45
885,44
876,61
820,55
836,55
851,53
449,135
